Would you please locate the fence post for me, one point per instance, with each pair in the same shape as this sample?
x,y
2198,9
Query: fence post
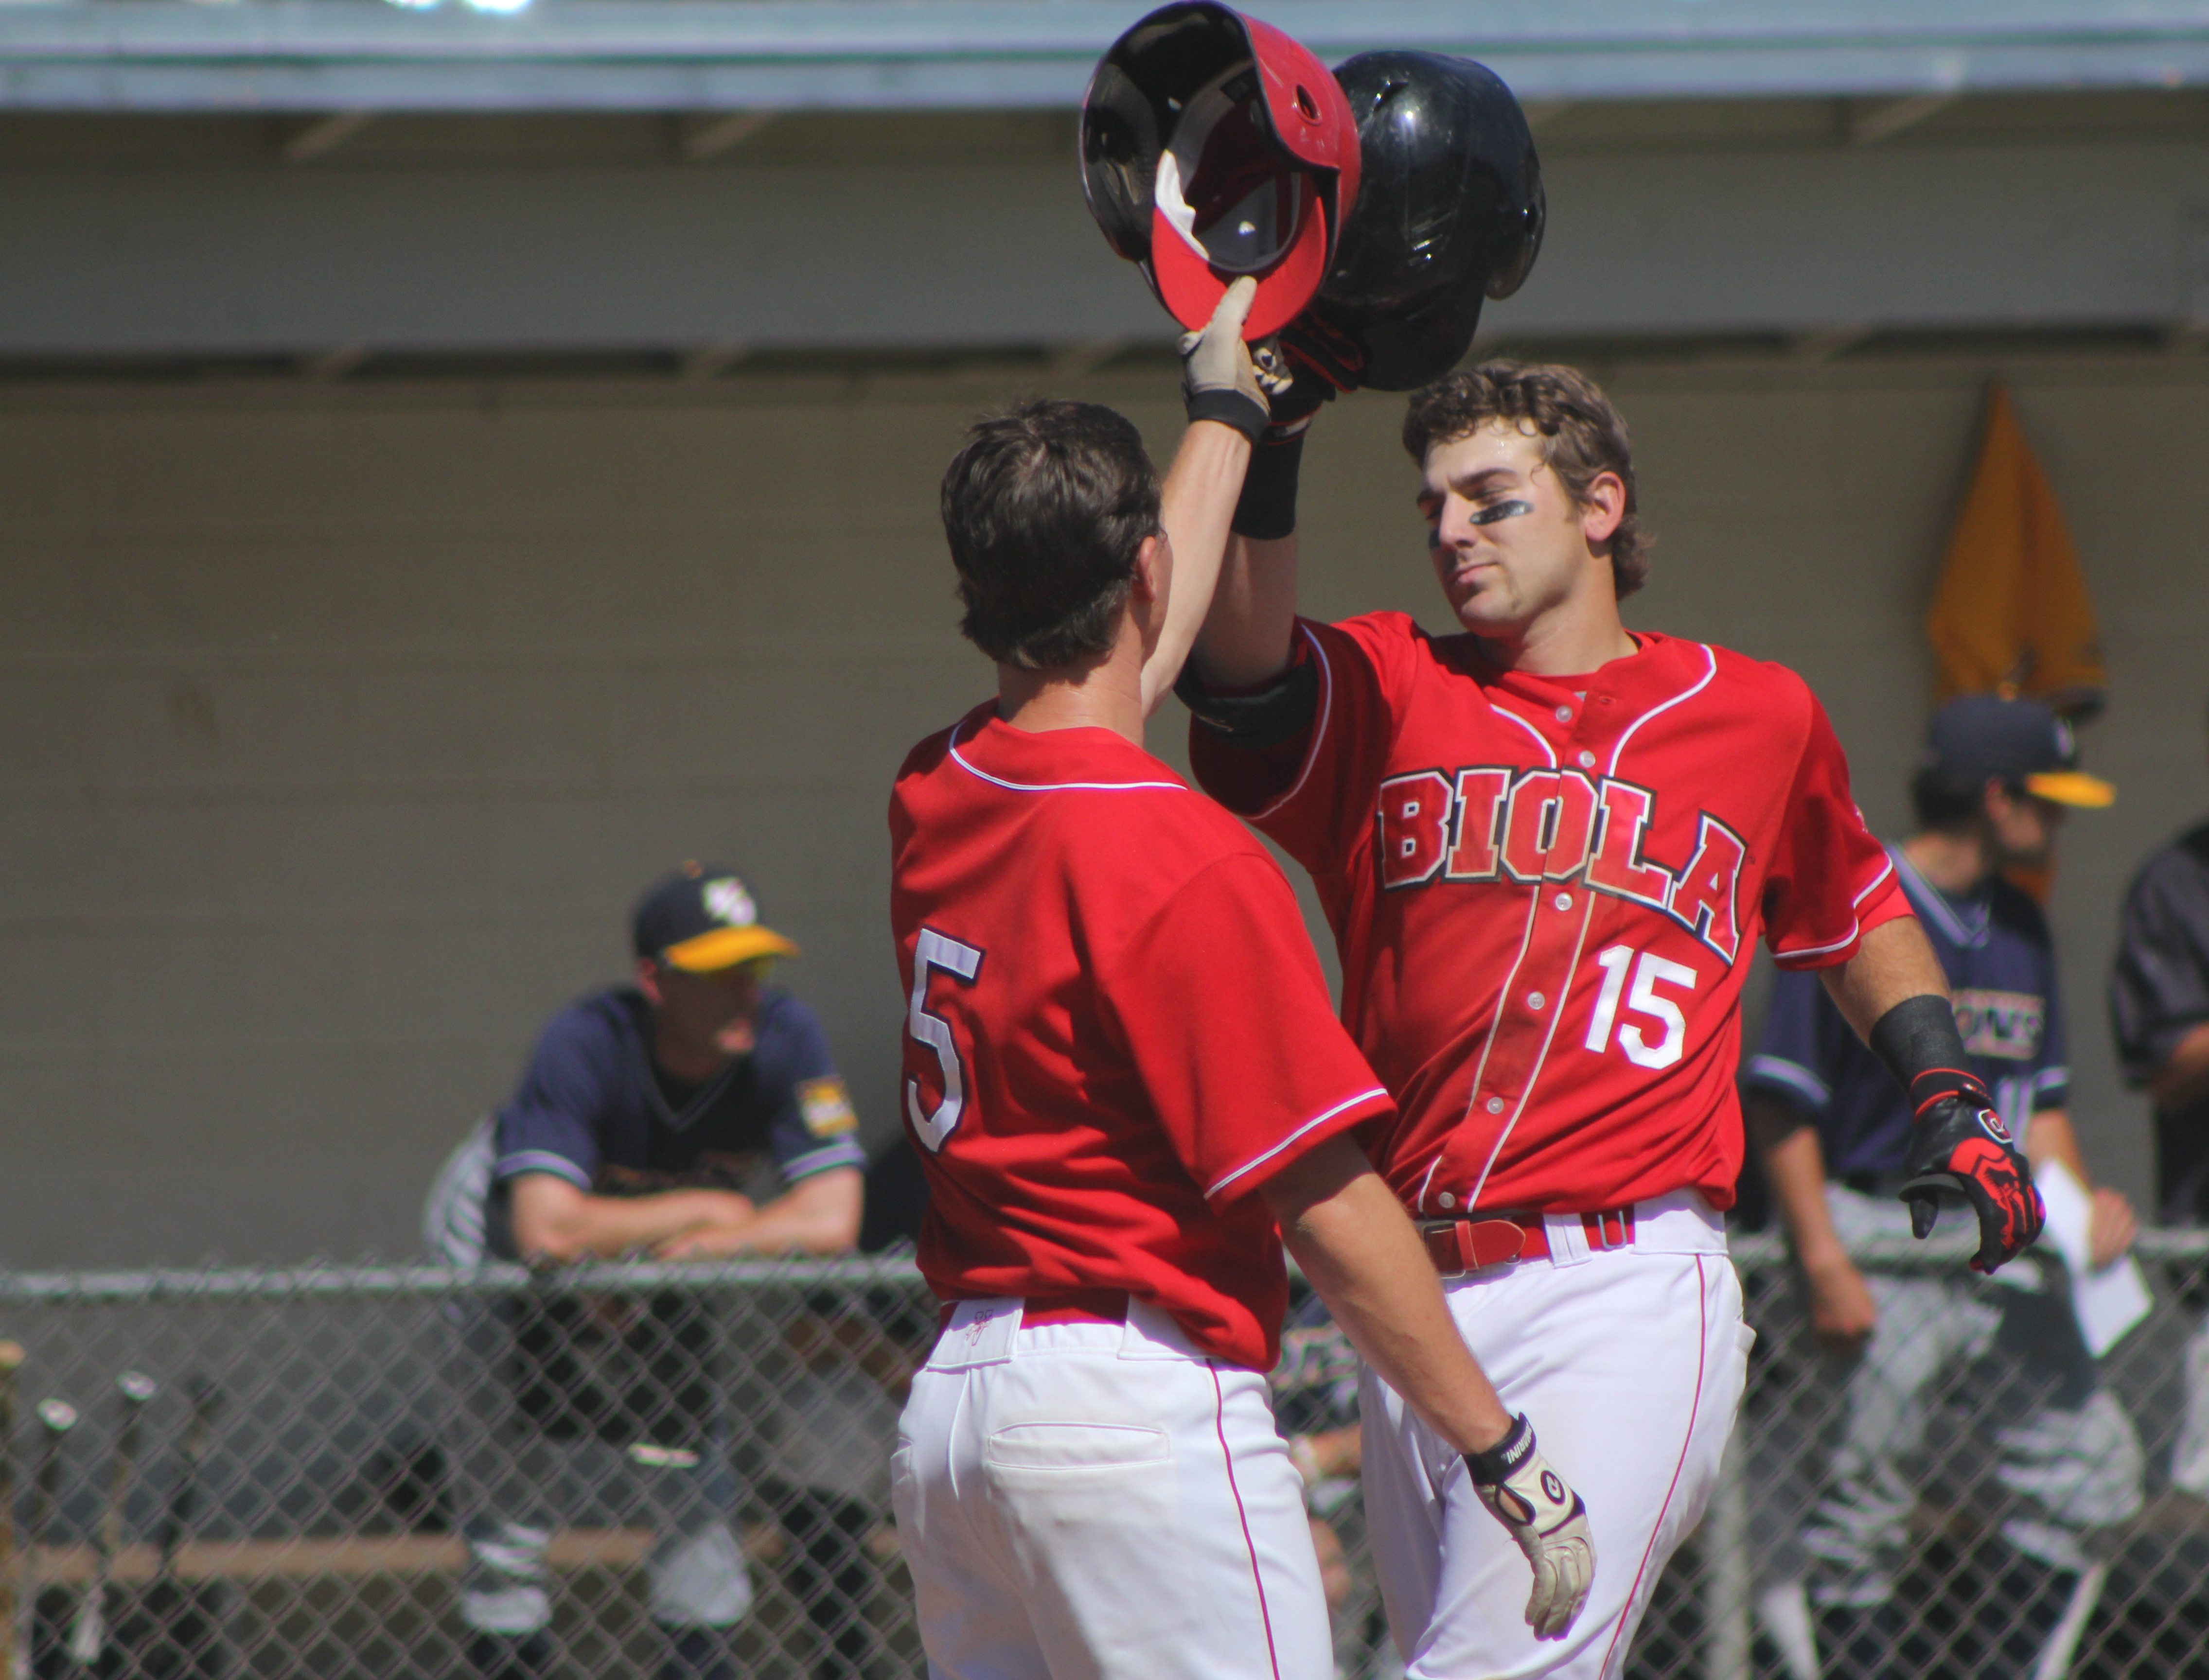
x,y
1727,1570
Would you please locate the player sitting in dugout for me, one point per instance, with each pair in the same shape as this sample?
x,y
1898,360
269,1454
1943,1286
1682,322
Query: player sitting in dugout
x,y
695,1114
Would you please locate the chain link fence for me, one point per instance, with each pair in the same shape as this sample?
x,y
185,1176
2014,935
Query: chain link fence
x,y
635,1470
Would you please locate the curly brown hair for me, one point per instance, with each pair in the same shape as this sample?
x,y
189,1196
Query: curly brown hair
x,y
1582,436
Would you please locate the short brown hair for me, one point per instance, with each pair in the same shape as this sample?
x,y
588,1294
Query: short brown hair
x,y
1045,507
1582,436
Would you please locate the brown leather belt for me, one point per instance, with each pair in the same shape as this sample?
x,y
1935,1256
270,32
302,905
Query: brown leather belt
x,y
1459,1247
1074,1306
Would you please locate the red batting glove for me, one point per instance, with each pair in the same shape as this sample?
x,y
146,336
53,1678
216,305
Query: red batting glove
x,y
1958,1142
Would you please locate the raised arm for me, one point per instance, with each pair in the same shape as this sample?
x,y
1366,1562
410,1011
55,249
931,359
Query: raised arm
x,y
1227,412
1249,635
1198,499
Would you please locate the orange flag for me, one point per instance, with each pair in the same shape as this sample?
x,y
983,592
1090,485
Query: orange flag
x,y
2011,610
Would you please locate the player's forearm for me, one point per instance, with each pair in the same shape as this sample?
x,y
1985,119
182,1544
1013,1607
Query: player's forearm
x,y
555,1220
2184,1079
2049,1136
1894,964
1351,1236
1249,633
1795,1167
818,1216
1196,504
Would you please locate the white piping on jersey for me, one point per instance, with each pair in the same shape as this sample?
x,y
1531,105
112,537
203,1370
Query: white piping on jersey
x,y
1319,734
1051,787
1710,670
1315,1120
1856,928
1539,740
1793,1075
1503,998
1420,1200
1534,1075
1886,868
1928,900
1856,923
540,1160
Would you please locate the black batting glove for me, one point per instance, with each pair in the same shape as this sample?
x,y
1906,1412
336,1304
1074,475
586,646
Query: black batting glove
x,y
1323,362
1958,1142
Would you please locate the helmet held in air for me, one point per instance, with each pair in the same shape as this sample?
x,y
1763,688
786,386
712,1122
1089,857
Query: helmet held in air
x,y
1213,146
1449,212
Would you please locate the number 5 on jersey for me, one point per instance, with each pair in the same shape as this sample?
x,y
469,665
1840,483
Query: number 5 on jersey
x,y
1644,999
963,962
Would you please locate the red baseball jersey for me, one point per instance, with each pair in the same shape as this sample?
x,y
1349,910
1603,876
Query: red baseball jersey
x,y
1545,891
1117,1030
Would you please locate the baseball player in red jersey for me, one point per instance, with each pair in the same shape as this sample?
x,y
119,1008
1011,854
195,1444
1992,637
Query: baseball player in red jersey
x,y
1546,847
1121,1069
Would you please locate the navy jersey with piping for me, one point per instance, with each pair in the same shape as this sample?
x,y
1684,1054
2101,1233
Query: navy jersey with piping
x,y
1995,948
591,1109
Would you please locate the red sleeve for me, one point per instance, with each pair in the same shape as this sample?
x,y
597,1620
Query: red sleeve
x,y
1220,1002
1314,794
1830,880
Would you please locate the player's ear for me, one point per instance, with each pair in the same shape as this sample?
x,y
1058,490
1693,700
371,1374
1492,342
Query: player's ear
x,y
1154,562
1603,505
647,980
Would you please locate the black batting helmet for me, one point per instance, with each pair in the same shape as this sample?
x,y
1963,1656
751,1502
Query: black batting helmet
x,y
1449,211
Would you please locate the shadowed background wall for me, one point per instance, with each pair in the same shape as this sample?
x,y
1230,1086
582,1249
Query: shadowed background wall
x,y
338,727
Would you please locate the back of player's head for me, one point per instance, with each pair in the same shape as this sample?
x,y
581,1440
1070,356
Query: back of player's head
x,y
1045,507
1582,435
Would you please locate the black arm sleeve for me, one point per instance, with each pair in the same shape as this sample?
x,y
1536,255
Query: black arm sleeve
x,y
1919,1041
1279,711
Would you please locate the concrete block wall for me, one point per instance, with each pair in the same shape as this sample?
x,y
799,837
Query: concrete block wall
x,y
338,727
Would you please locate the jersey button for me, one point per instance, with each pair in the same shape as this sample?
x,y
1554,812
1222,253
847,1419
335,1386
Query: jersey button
x,y
1587,759
1535,1000
1563,901
1564,714
1446,1199
1495,1105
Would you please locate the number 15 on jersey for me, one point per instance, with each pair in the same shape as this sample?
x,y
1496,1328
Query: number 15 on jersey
x,y
937,951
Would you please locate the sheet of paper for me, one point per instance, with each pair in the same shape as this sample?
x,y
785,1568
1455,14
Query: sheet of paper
x,y
2108,1302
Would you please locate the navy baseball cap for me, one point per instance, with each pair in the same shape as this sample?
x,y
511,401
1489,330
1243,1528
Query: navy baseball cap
x,y
1982,738
701,919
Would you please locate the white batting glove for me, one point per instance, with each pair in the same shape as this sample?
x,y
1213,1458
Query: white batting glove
x,y
1547,1519
1225,380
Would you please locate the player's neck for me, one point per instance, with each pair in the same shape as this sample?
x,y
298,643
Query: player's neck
x,y
1574,639
1106,694
1957,861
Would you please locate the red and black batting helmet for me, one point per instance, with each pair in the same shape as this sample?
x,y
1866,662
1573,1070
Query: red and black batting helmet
x,y
1213,146
1450,210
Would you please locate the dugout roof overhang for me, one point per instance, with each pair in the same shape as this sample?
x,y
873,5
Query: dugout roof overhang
x,y
700,183
777,55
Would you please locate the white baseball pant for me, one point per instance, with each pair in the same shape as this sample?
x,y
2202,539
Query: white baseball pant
x,y
1630,1363
1102,1502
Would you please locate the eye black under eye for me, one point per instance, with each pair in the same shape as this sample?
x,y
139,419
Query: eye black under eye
x,y
1499,510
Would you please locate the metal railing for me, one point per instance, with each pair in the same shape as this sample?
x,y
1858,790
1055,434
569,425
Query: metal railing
x,y
623,1470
